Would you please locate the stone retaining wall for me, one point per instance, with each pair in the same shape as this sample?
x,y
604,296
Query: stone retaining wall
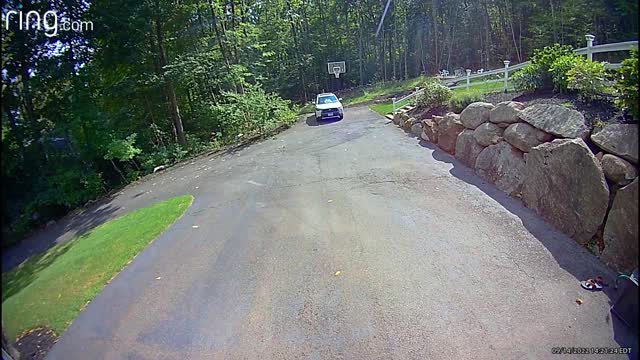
x,y
541,154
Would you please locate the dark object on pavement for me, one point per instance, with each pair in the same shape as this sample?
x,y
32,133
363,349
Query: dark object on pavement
x,y
626,306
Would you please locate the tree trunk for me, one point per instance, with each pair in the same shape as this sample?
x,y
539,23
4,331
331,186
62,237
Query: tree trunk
x,y
124,179
170,92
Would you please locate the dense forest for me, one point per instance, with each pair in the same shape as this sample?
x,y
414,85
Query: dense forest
x,y
155,81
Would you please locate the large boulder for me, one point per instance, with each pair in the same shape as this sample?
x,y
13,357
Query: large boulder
x,y
475,114
621,230
406,126
488,134
430,130
402,118
556,120
448,130
396,118
416,128
619,139
502,165
524,136
564,183
506,112
617,169
467,148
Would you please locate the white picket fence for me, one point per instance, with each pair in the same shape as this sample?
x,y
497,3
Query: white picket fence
x,y
502,74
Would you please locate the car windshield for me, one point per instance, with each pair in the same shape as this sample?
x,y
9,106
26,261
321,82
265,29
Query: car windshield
x,y
327,99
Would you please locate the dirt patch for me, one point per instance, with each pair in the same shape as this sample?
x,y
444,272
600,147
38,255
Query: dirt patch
x,y
596,113
426,113
36,343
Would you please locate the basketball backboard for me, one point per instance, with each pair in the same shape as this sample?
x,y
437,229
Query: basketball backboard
x,y
336,68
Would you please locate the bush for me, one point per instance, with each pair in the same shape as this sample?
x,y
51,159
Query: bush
x,y
434,95
627,85
559,70
528,79
588,78
253,112
544,59
460,101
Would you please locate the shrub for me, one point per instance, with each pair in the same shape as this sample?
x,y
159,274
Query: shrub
x,y
460,101
528,79
627,85
253,112
559,70
544,59
434,95
588,78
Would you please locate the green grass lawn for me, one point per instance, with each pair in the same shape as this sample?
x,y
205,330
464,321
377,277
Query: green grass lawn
x,y
52,288
383,89
386,107
487,88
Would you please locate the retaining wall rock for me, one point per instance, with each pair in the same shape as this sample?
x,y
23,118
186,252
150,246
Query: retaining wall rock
x,y
488,134
565,184
621,230
619,139
506,112
448,130
475,114
524,136
467,148
502,165
555,119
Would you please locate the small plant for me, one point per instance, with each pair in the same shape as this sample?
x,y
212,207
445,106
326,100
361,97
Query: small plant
x,y
559,70
528,79
626,86
588,79
460,101
434,95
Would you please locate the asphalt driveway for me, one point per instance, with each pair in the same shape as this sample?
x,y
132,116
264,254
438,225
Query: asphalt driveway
x,y
433,263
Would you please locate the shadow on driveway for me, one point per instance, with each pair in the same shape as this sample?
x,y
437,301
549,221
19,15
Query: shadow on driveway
x,y
564,252
311,121
63,230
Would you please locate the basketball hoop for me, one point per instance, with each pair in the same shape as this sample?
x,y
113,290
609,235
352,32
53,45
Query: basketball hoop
x,y
336,68
336,71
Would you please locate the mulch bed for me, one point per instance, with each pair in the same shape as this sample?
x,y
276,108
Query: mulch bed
x,y
596,113
36,343
426,113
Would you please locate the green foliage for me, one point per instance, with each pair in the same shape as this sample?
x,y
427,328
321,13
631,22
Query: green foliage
x,y
540,74
559,70
434,95
251,112
459,101
528,79
627,85
587,78
122,149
